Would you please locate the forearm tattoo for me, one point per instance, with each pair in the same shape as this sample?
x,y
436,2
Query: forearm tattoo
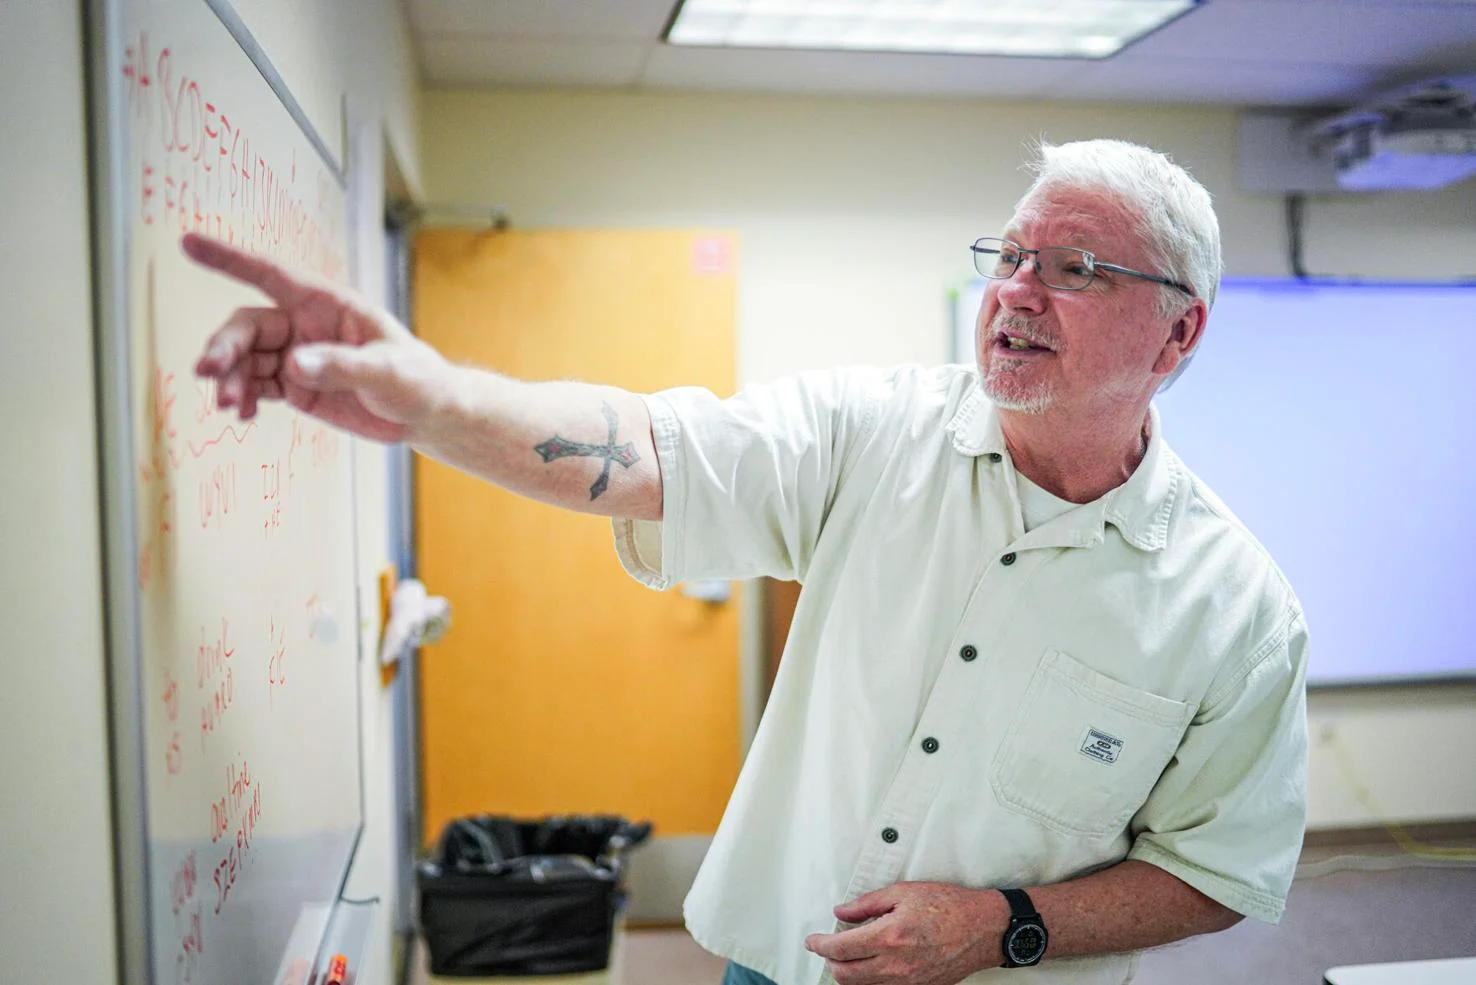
x,y
557,447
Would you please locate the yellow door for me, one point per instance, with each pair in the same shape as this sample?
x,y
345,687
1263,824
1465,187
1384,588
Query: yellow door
x,y
563,685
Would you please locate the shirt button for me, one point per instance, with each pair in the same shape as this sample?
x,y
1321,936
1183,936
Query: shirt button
x,y
1008,559
995,457
968,652
930,745
889,835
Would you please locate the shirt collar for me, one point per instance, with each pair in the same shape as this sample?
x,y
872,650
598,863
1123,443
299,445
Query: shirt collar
x,y
1140,508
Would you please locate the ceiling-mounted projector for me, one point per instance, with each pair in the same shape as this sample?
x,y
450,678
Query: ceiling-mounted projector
x,y
1422,137
1419,136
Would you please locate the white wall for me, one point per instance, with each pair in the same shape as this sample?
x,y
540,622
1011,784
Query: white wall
x,y
55,831
854,217
56,854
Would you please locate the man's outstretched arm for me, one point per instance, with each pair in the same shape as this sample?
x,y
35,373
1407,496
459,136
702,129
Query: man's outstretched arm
x,y
331,355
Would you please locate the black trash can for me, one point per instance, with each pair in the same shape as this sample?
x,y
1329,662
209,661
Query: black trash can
x,y
503,896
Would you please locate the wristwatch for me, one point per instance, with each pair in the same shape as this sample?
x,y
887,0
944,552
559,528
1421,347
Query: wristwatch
x,y
1025,940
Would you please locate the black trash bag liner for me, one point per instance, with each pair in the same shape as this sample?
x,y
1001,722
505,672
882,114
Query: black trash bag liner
x,y
502,896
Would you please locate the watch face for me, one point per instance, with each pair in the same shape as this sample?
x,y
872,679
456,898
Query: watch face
x,y
1026,944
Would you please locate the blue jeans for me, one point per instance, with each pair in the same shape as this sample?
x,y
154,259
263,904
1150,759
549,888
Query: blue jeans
x,y
736,974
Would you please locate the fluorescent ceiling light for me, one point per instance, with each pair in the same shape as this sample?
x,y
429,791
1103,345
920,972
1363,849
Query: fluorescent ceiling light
x,y
1028,28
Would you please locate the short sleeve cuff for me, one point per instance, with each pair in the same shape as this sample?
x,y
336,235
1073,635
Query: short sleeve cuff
x,y
1235,895
650,550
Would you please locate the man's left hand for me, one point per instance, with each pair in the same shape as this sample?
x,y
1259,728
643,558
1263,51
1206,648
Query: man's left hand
x,y
915,933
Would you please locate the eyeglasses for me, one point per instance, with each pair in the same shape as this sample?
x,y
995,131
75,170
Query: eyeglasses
x,y
1062,267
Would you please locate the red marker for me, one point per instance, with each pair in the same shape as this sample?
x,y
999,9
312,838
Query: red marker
x,y
337,970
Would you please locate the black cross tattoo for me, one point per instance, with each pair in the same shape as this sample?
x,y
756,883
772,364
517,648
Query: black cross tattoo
x,y
557,447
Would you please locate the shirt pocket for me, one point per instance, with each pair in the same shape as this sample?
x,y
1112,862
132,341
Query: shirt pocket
x,y
1084,751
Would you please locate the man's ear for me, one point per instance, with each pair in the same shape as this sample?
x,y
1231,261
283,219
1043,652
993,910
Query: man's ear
x,y
1184,336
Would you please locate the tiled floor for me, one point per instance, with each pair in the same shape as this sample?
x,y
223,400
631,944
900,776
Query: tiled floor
x,y
1381,906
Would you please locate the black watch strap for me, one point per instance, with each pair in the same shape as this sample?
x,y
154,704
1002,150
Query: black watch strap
x,y
1026,928
1021,908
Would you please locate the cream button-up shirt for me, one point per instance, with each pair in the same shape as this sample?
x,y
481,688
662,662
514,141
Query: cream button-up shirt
x,y
962,701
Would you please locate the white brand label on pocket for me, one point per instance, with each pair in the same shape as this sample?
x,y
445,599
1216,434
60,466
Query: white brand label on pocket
x,y
1100,746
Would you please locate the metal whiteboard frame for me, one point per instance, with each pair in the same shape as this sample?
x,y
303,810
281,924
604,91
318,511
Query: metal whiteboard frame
x,y
254,51
117,503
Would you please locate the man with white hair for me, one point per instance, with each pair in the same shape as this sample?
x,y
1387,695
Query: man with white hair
x,y
1042,700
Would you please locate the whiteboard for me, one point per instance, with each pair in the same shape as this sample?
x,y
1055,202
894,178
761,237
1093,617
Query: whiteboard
x,y
231,555
297,36
1338,422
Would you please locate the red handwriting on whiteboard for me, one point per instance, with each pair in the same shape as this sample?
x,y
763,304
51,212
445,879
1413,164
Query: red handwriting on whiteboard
x,y
146,187
213,709
163,405
191,946
226,809
182,883
277,662
199,170
213,653
171,696
218,496
322,445
228,870
271,495
229,431
215,677
166,514
186,921
136,71
161,457
153,552
145,564
292,447
173,754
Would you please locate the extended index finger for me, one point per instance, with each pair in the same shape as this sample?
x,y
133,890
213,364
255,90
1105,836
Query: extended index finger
x,y
279,284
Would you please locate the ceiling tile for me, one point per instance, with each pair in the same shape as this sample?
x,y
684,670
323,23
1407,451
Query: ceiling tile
x,y
1366,3
1190,80
513,62
1263,52
1340,32
623,20
849,72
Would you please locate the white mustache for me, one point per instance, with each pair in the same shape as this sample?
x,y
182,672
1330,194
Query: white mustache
x,y
1021,328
